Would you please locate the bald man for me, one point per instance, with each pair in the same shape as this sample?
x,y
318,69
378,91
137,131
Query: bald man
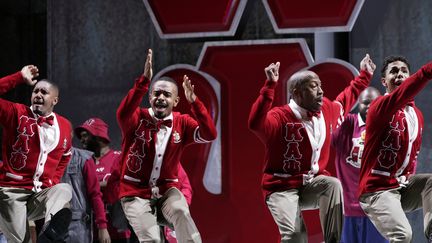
x,y
36,150
297,140
348,141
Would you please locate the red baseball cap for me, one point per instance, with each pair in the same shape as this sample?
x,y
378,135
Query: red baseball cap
x,y
95,126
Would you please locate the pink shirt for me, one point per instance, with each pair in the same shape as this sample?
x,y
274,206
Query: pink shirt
x,y
348,141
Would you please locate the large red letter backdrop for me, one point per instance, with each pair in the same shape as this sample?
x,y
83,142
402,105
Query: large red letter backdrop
x,y
226,175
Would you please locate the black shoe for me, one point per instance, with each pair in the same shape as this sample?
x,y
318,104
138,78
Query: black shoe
x,y
57,228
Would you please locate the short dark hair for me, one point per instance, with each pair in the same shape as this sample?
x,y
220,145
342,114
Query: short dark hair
x,y
53,85
391,59
164,78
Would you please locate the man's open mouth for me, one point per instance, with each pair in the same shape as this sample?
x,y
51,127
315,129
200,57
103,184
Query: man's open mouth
x,y
398,82
38,102
160,106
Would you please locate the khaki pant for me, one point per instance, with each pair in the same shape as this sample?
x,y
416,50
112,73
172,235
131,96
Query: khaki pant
x,y
141,214
17,205
386,209
323,192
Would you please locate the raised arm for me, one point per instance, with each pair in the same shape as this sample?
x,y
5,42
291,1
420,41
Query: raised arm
x,y
128,111
367,65
29,73
206,130
26,75
189,90
348,97
259,119
386,106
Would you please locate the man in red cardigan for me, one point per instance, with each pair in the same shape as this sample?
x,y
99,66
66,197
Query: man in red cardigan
x,y
36,150
297,140
388,184
152,144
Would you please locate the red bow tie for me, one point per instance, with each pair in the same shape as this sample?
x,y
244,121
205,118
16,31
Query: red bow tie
x,y
411,103
167,123
311,114
48,120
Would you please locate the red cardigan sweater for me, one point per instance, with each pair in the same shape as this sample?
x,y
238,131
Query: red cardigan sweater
x,y
138,147
387,138
27,164
288,151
